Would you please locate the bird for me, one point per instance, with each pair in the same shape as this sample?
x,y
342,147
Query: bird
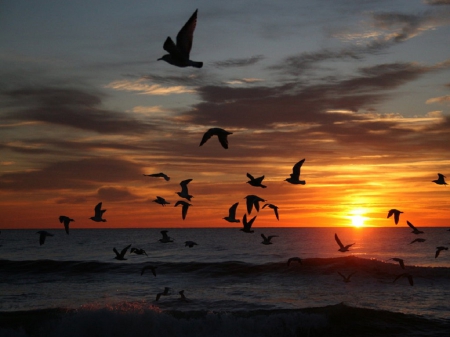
x,y
275,209
295,258
408,276
396,214
184,190
164,293
158,175
166,238
232,214
414,229
247,225
221,134
342,247
400,261
418,240
267,240
184,209
42,236
152,268
190,244
440,180
295,175
183,298
121,255
439,249
138,251
347,278
98,213
179,52
253,201
161,201
66,220
256,182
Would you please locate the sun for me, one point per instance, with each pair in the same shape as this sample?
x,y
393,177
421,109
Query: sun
x,y
357,220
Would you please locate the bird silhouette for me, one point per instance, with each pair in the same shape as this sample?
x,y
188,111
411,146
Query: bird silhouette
x,y
184,209
408,276
414,229
183,298
166,238
347,278
439,249
253,201
161,201
275,209
221,134
164,293
184,190
152,268
440,180
232,213
267,240
138,251
417,240
396,214
247,224
98,213
121,255
295,258
256,182
400,261
158,175
66,220
295,175
190,244
42,236
342,248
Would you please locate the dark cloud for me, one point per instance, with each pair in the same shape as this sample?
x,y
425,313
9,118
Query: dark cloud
x,y
404,26
437,2
241,62
116,194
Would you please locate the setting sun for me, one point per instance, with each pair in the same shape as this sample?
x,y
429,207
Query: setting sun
x,y
357,220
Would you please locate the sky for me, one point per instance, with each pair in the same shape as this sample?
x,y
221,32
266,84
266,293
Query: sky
x,y
359,88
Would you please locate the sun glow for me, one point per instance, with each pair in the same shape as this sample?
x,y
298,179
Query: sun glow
x,y
357,220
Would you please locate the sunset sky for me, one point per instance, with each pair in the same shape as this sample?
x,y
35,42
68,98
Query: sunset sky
x,y
360,88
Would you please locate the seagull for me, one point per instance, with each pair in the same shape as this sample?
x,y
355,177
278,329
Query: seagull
x,y
440,180
266,240
121,255
161,201
400,261
190,244
295,175
418,240
165,238
297,259
66,220
247,225
42,236
396,213
256,182
414,229
184,190
346,278
438,250
275,209
179,53
138,251
98,213
164,293
232,214
158,175
342,247
152,268
409,276
253,200
220,133
183,298
185,207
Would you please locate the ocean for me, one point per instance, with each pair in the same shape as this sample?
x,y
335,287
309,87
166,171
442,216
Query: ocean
x,y
233,284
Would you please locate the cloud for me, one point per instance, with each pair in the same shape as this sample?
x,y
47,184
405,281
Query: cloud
x,y
239,62
437,2
116,194
440,99
148,89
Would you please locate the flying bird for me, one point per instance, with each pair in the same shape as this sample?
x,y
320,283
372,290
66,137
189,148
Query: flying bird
x,y
439,249
66,220
161,201
185,207
152,268
256,182
98,213
400,261
408,276
396,214
418,240
347,278
164,293
184,190
342,247
275,209
232,214
158,175
253,201
179,52
295,258
183,298
166,238
295,175
138,251
121,255
42,236
267,240
190,244
247,225
414,229
221,134
440,180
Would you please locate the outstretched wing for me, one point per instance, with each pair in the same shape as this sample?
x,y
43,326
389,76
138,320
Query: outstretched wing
x,y
338,241
411,225
296,169
186,35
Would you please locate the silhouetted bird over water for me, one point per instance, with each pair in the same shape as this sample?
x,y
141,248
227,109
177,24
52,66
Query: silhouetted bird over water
x,y
66,220
295,258
158,175
439,249
247,224
221,134
440,180
267,239
414,229
184,190
253,201
98,213
342,248
184,208
400,261
42,236
275,209
295,175
232,213
346,278
138,251
121,255
166,238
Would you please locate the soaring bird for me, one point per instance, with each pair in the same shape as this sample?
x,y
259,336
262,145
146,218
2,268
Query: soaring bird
x,y
184,209
98,213
440,180
267,240
164,293
232,214
418,240
247,225
190,244
221,134
42,236
158,175
161,201
183,298
253,201
414,229
342,247
138,251
184,190
152,268
295,258
66,220
408,276
256,182
396,214
295,175
166,238
275,209
121,255
400,261
179,53
439,249
347,278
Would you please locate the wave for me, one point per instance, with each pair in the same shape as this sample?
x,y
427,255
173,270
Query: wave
x,y
138,319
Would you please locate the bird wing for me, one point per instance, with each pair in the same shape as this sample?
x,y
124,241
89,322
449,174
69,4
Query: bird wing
x,y
411,225
338,241
41,238
98,210
441,176
248,224
232,210
223,139
264,237
66,226
296,169
124,251
437,253
249,205
207,135
115,251
164,234
342,275
62,218
184,210
275,209
396,217
184,188
186,35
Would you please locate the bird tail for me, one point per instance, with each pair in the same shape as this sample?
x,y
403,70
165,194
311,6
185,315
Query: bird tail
x,y
196,64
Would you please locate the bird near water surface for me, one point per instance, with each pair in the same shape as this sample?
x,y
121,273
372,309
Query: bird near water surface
x,y
66,220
